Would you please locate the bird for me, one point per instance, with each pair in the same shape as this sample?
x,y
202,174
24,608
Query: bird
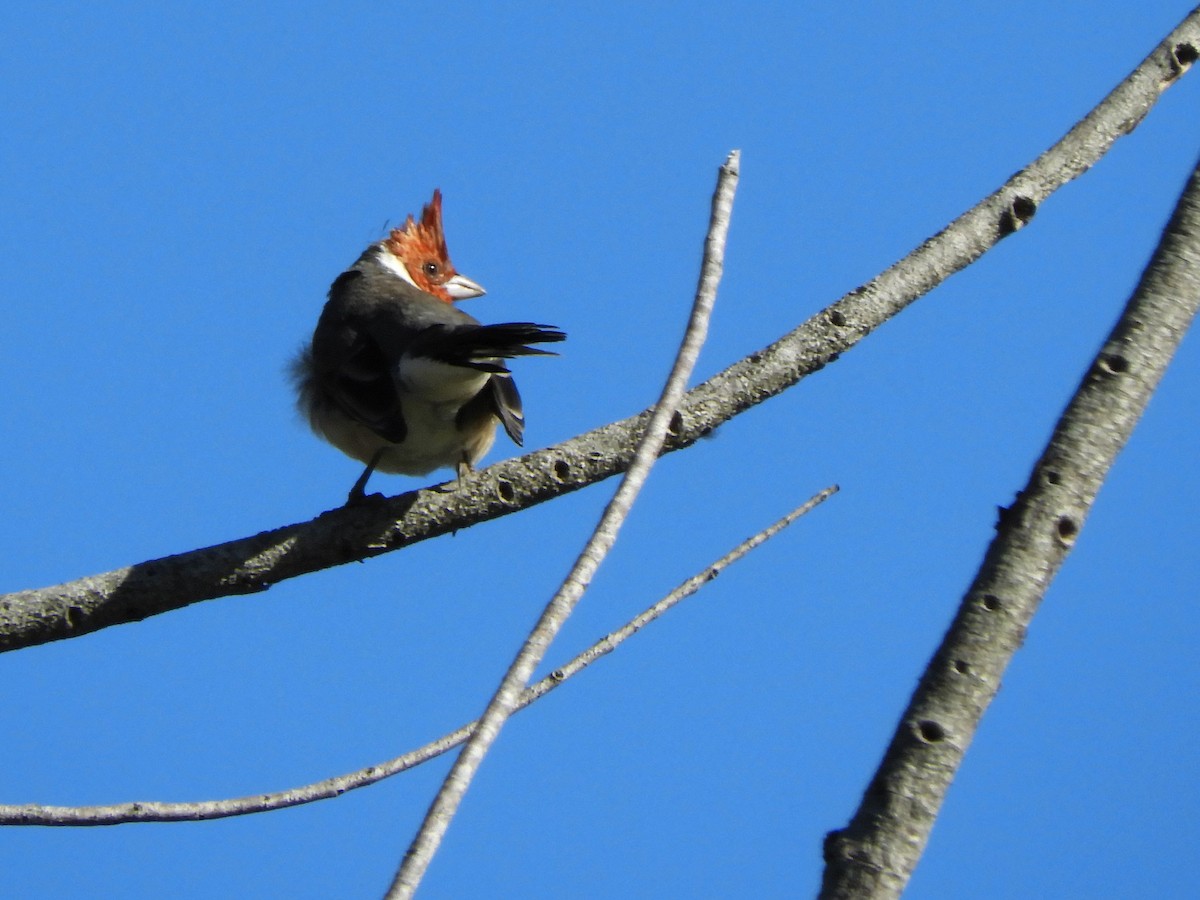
x,y
398,377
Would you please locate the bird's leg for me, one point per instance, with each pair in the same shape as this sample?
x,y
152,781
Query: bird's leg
x,y
463,469
357,494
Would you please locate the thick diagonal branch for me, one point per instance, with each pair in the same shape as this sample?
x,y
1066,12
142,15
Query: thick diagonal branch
x,y
875,854
345,535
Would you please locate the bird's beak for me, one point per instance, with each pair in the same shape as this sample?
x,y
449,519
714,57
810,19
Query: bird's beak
x,y
462,288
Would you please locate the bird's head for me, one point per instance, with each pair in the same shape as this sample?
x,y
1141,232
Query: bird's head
x,y
417,253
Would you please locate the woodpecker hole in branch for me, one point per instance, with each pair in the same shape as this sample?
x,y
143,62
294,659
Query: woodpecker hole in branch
x,y
676,425
1020,211
962,667
991,602
931,732
506,491
837,319
561,469
1053,478
1185,54
1116,364
1067,529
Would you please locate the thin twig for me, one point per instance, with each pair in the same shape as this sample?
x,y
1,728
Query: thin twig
x,y
255,563
500,708
124,813
874,856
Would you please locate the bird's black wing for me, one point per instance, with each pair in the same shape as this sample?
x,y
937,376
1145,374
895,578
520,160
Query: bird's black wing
x,y
482,347
363,387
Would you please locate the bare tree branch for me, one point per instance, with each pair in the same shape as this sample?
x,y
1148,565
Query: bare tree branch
x,y
504,702
254,564
156,811
874,856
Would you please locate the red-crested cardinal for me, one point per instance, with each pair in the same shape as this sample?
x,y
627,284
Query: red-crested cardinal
x,y
397,376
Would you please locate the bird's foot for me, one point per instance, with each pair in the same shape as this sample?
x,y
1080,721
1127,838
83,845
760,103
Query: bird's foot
x,y
358,493
359,497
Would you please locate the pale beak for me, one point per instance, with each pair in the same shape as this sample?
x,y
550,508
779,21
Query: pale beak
x,y
462,288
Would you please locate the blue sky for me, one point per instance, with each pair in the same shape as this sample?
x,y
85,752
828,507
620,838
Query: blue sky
x,y
181,183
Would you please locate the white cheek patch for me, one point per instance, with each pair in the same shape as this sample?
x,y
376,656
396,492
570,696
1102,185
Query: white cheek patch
x,y
393,265
439,382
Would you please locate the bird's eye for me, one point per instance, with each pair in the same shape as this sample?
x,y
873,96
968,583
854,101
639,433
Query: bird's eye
x,y
430,268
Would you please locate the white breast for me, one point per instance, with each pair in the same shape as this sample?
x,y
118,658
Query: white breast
x,y
434,440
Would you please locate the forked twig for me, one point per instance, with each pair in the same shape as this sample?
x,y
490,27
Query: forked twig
x,y
156,811
504,702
